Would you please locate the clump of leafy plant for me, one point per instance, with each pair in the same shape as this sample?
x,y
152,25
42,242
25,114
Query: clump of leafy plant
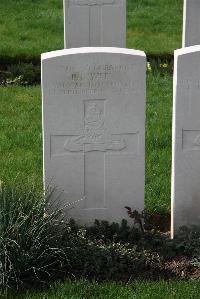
x,y
187,241
37,246
23,74
114,232
161,66
148,221
95,256
137,217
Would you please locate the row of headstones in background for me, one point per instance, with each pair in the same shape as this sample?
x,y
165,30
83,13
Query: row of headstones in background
x,y
94,130
185,190
94,23
191,23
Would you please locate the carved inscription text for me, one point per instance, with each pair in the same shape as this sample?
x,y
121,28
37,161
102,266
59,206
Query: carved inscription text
x,y
92,80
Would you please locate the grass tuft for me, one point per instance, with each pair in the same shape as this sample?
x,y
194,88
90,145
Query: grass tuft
x,y
29,239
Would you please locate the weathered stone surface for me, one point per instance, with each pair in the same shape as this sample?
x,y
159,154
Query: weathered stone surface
x,y
186,139
93,128
191,23
94,23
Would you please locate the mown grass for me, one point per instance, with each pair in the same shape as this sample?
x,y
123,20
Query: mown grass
x,y
28,28
137,290
158,142
21,138
154,26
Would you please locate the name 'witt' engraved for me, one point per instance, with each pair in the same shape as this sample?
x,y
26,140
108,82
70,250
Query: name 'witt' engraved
x,y
94,79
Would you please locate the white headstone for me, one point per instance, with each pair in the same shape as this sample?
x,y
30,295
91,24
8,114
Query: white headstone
x,y
191,23
186,139
94,126
94,23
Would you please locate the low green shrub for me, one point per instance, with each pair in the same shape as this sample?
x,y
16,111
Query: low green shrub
x,y
95,256
23,74
38,247
187,242
162,67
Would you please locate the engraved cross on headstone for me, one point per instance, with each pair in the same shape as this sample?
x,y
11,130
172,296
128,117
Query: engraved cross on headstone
x,y
95,18
95,144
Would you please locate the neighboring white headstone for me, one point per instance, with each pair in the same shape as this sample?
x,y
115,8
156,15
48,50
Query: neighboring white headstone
x,y
94,23
94,128
191,23
186,139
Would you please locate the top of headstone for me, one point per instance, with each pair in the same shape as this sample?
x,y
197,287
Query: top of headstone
x,y
85,50
181,52
93,2
187,50
94,23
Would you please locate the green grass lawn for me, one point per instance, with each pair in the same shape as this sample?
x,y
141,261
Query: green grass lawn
x,y
158,143
154,26
21,138
137,290
28,28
